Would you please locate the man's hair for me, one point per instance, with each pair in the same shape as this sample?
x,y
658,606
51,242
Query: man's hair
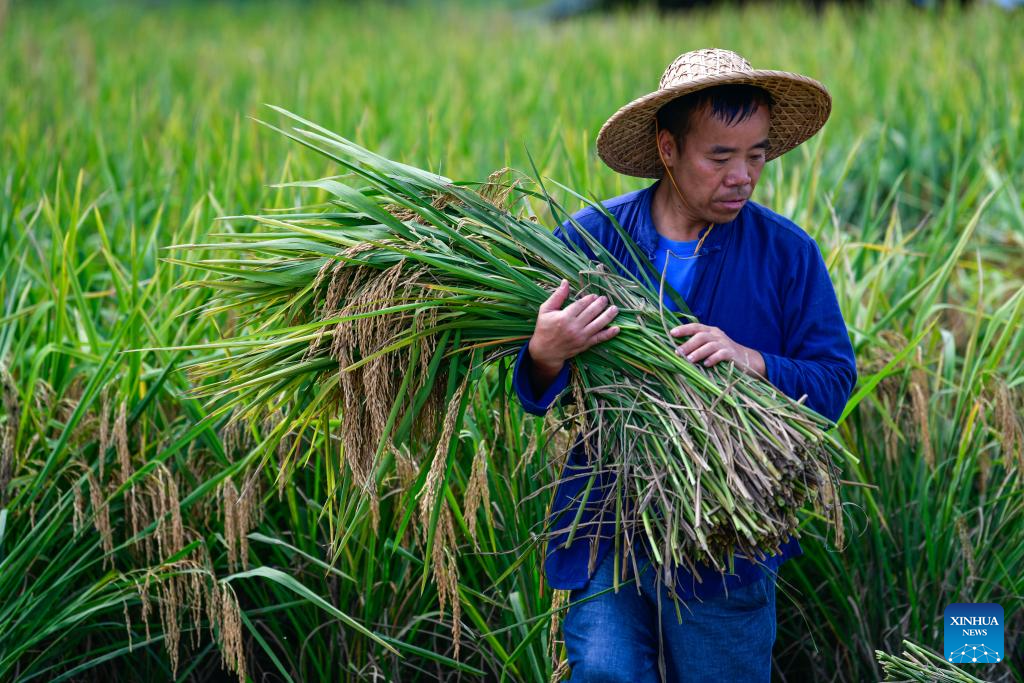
x,y
731,104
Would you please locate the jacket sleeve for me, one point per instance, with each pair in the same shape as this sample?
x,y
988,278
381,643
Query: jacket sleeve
x,y
525,391
818,358
532,403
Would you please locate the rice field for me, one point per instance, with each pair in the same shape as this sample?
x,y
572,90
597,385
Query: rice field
x,y
145,535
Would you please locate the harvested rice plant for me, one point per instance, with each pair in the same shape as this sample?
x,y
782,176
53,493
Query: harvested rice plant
x,y
256,361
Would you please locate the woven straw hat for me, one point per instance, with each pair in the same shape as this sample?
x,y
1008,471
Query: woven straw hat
x,y
802,105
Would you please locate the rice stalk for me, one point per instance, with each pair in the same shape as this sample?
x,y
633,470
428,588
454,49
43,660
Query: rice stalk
x,y
241,514
477,493
921,665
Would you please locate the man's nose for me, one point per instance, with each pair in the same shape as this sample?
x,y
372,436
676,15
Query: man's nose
x,y
738,175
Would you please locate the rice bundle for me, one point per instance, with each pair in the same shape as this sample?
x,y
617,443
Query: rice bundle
x,y
388,304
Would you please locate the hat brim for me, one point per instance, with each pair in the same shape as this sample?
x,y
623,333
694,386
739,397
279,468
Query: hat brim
x,y
802,105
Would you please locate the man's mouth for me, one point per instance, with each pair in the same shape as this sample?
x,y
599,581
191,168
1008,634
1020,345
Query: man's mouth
x,y
733,203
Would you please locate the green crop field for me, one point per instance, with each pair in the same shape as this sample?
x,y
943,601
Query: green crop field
x,y
144,535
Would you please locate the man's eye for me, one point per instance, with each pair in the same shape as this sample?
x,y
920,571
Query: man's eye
x,y
719,161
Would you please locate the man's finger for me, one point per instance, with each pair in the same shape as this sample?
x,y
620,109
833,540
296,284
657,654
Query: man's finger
x,y
696,341
699,354
717,357
688,329
575,307
605,335
557,298
593,310
598,323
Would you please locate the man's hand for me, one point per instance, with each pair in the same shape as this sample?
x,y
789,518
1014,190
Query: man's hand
x,y
712,345
561,333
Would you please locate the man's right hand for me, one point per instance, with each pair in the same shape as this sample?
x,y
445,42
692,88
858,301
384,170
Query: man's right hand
x,y
561,333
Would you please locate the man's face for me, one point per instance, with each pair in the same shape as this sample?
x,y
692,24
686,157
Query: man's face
x,y
718,165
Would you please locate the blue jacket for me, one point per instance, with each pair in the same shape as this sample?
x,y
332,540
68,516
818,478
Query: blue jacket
x,y
762,280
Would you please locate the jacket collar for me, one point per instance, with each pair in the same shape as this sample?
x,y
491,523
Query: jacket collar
x,y
646,236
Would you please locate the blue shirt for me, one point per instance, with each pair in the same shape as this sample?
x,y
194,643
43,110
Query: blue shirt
x,y
676,260
762,280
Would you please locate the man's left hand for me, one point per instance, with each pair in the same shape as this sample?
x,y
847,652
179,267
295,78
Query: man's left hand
x,y
712,345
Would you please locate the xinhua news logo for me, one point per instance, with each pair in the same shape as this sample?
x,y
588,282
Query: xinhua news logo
x,y
973,633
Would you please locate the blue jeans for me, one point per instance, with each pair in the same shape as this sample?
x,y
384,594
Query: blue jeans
x,y
614,636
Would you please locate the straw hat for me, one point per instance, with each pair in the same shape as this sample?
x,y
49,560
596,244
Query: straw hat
x,y
802,105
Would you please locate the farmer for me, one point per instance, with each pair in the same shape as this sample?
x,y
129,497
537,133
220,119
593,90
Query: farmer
x,y
758,286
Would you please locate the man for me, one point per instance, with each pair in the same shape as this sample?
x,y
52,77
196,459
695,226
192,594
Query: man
x,y
759,288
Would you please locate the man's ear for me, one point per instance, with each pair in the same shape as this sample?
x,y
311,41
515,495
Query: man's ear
x,y
667,145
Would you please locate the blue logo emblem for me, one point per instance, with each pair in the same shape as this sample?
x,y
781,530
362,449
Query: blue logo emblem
x,y
973,633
